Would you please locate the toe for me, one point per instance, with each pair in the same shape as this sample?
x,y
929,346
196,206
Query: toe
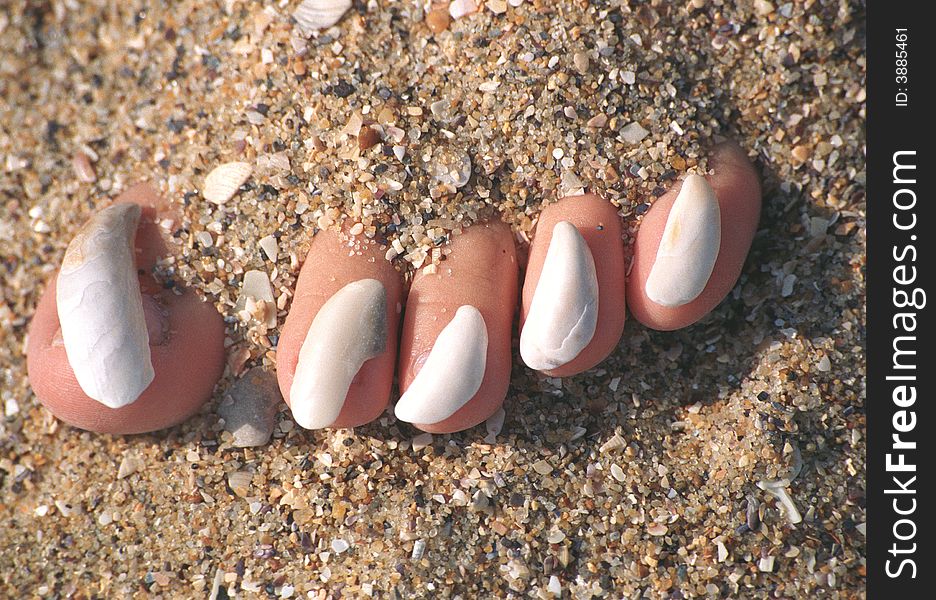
x,y
693,241
337,351
573,308
455,357
185,340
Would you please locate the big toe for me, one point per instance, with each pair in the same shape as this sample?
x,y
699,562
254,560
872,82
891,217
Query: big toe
x,y
109,349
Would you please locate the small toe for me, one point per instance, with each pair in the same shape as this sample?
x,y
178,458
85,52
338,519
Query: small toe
x,y
337,349
573,308
693,242
455,356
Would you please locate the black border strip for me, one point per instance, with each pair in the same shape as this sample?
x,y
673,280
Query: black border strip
x,y
894,255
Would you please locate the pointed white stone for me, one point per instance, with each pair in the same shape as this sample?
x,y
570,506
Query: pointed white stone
x,y
564,311
452,373
349,330
689,246
100,309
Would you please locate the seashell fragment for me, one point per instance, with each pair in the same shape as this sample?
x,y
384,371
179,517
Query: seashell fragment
x,y
224,180
81,163
564,312
100,309
257,288
313,15
689,248
349,330
452,373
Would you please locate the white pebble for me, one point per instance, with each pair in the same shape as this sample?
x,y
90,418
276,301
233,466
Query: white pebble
x,y
633,133
269,246
460,8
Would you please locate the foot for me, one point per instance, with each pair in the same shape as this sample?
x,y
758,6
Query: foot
x,y
131,356
337,353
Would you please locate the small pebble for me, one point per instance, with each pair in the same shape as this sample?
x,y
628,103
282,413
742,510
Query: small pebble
x,y
419,547
249,408
81,163
422,441
633,133
542,467
128,466
461,8
438,20
270,247
239,482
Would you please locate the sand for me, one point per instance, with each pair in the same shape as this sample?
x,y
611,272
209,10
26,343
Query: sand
x,y
638,478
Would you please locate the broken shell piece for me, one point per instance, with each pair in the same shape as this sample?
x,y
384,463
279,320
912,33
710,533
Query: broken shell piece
x,y
257,287
689,247
564,311
224,181
349,330
452,373
778,489
313,15
100,309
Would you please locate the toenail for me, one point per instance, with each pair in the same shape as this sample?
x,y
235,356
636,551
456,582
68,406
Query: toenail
x,y
452,373
689,247
564,311
349,330
100,309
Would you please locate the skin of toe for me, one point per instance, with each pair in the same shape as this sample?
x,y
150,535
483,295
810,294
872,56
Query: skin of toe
x,y
187,362
480,270
737,188
600,225
327,269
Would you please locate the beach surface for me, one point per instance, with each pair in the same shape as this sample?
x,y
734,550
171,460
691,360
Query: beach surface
x,y
724,460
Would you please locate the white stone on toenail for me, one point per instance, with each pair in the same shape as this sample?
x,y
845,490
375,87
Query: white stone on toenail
x,y
564,310
100,309
689,246
349,329
453,372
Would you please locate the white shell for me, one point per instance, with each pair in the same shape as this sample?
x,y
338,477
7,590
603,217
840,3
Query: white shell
x,y
347,331
564,311
313,15
689,247
224,181
453,372
460,8
100,309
